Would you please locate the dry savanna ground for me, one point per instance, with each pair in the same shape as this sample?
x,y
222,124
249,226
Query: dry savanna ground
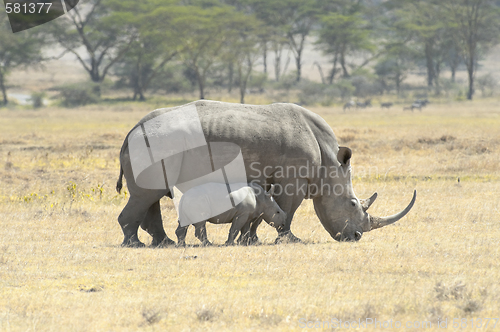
x,y
62,269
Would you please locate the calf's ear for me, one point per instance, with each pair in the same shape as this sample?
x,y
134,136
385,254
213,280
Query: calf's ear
x,y
344,156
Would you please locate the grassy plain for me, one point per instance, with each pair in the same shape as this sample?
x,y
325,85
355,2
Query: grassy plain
x,y
61,267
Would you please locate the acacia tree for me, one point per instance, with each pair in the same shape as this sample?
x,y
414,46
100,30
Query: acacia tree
x,y
158,41
207,31
97,34
425,24
343,35
274,34
421,22
244,48
301,16
395,65
16,50
477,27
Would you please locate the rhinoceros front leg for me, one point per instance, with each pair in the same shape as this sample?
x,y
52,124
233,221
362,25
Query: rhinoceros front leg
x,y
246,236
153,224
238,222
289,200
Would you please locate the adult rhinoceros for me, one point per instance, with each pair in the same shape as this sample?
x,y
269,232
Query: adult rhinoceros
x,y
281,144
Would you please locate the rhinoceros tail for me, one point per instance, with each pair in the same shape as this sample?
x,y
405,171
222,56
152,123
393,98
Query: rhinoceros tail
x,y
119,183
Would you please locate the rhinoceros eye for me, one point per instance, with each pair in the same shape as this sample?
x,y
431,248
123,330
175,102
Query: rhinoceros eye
x,y
353,202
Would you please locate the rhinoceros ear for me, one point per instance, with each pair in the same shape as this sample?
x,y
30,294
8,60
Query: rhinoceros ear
x,y
271,191
344,156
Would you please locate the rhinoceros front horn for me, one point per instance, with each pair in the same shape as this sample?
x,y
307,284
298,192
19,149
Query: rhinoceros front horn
x,y
377,222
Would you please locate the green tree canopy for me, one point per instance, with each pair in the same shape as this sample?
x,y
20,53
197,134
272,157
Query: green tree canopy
x,y
17,50
207,31
98,33
477,28
342,35
158,40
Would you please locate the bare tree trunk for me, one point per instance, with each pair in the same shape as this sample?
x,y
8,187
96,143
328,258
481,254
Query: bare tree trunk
x,y
94,71
146,79
384,87
2,87
429,63
286,64
139,93
470,71
201,84
316,63
345,73
138,84
454,62
334,69
437,72
243,88
230,77
299,65
398,84
242,96
277,65
264,56
297,53
243,78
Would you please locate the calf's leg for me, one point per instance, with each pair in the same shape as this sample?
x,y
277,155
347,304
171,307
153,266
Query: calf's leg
x,y
238,222
181,232
201,233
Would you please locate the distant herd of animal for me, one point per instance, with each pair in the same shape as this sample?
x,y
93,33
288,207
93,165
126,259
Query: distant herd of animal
x,y
417,104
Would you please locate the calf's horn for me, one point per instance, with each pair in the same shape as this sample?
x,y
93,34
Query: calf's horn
x,y
378,222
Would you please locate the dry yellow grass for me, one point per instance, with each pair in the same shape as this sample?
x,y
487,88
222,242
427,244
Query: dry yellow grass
x,y
61,267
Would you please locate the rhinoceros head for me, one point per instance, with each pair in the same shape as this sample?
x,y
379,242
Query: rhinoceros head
x,y
342,214
271,211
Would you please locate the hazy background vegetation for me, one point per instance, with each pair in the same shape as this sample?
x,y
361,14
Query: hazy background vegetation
x,y
305,51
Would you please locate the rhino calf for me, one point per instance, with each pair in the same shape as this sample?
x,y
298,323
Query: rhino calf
x,y
256,203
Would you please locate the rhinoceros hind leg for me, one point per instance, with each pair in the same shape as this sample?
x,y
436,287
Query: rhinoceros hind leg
x,y
129,221
153,224
141,209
